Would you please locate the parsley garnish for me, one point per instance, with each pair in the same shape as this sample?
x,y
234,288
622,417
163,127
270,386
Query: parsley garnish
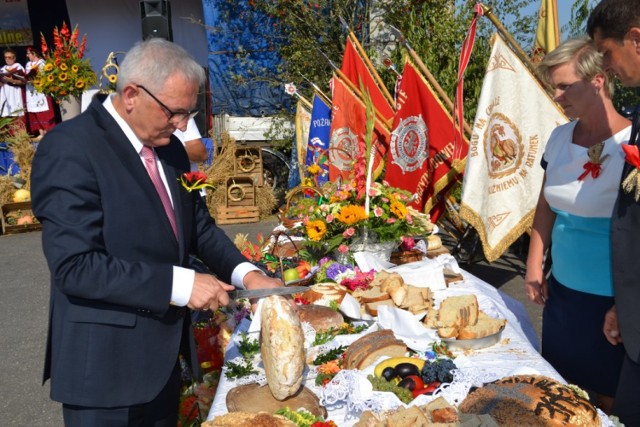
x,y
248,347
237,370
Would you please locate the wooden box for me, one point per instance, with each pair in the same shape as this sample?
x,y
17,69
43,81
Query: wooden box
x,y
237,215
248,163
13,211
240,192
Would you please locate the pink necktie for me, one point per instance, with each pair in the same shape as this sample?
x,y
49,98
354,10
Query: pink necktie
x,y
150,163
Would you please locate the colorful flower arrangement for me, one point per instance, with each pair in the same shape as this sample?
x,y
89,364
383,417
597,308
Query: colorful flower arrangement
x,y
66,72
344,217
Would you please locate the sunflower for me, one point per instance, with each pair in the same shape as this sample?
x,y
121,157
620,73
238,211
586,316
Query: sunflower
x,y
50,78
80,84
64,67
398,209
48,67
351,214
74,68
316,230
113,79
63,77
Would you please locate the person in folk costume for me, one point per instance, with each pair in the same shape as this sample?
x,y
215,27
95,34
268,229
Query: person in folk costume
x,y
12,82
39,107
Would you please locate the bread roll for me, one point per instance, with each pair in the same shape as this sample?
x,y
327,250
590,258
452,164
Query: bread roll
x,y
281,346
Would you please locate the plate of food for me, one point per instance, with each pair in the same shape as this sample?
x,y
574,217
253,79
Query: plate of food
x,y
474,343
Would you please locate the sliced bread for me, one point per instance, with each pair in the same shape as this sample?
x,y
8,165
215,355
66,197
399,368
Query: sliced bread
x,y
455,313
484,327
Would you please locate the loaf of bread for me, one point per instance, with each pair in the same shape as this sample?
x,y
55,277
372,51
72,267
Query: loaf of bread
x,y
531,400
433,242
281,346
370,347
455,313
325,292
246,419
320,318
484,327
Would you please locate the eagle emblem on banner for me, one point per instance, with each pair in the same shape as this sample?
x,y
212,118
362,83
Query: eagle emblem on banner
x,y
504,149
410,144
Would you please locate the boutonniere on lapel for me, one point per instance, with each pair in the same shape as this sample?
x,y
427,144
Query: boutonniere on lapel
x,y
632,181
194,181
594,165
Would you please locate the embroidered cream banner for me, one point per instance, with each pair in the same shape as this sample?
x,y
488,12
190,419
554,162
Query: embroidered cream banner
x,y
503,175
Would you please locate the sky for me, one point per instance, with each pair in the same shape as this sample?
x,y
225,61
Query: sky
x,y
564,12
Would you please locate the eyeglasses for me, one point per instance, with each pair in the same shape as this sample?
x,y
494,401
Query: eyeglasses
x,y
172,116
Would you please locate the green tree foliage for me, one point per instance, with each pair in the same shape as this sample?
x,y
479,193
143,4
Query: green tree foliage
x,y
309,35
624,97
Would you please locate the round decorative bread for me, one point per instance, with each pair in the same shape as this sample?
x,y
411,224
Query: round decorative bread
x,y
246,419
281,346
531,400
320,317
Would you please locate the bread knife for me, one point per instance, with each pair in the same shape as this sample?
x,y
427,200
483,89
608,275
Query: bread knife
x,y
260,293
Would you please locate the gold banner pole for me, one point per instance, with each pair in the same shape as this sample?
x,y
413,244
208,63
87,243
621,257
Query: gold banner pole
x,y
368,63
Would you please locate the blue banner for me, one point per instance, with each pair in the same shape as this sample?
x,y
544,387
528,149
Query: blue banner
x,y
318,144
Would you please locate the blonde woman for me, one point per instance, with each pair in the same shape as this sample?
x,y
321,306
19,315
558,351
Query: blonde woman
x,y
583,161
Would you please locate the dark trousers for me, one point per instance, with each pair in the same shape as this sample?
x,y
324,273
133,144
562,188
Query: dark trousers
x,y
627,403
160,412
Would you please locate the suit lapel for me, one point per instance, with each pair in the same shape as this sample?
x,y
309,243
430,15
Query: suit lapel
x,y
132,164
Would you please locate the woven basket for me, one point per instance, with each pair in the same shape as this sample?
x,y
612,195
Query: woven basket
x,y
289,249
292,195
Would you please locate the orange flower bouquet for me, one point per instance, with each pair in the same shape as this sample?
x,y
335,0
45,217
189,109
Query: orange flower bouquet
x,y
66,73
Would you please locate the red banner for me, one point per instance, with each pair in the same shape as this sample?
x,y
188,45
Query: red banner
x,y
354,67
348,127
421,149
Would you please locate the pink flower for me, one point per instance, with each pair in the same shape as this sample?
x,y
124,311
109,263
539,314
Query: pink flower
x,y
349,232
377,211
343,249
408,243
409,219
330,218
391,220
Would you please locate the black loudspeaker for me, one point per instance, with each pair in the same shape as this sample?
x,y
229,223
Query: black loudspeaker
x,y
156,19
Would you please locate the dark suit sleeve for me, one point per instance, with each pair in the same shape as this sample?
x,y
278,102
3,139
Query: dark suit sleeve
x,y
213,246
75,196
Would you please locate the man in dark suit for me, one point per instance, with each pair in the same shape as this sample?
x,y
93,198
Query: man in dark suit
x,y
118,228
614,26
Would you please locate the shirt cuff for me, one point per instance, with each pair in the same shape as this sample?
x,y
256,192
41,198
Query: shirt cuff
x,y
182,285
237,277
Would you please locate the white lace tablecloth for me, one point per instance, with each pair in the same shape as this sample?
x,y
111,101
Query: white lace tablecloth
x,y
350,393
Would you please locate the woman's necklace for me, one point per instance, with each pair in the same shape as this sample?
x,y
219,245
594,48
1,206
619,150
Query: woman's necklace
x,y
594,165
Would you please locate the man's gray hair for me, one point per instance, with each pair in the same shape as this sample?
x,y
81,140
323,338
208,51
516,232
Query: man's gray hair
x,y
150,63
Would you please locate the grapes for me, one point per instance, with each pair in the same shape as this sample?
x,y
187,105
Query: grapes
x,y
438,370
380,384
